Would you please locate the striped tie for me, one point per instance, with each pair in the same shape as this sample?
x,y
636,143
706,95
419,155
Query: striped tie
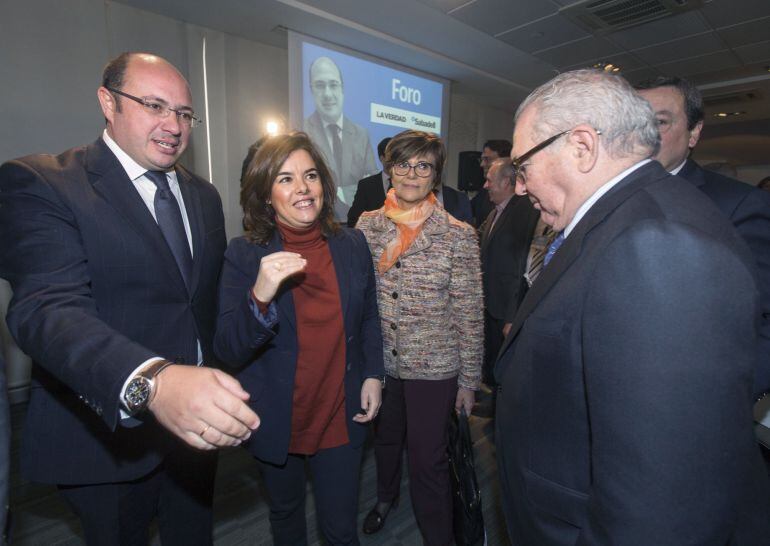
x,y
537,251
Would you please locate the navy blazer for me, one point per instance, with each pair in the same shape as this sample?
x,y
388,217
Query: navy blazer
x,y
266,358
96,292
748,208
624,414
5,449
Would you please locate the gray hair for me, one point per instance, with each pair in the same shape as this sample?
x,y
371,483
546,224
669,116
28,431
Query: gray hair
x,y
604,101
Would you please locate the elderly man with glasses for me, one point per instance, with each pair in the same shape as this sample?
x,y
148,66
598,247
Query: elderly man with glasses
x,y
113,251
624,415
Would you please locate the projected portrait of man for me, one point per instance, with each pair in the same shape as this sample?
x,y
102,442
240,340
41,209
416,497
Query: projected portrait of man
x,y
345,145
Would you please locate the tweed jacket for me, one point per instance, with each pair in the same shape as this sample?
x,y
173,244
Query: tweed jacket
x,y
431,302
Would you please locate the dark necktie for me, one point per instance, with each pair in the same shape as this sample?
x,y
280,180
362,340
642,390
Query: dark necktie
x,y
334,131
554,246
169,218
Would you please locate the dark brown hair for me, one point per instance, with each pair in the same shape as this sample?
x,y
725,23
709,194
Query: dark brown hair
x,y
407,144
258,214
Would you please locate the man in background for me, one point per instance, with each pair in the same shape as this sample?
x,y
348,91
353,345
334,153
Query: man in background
x,y
113,252
370,193
344,144
678,107
505,239
624,415
481,206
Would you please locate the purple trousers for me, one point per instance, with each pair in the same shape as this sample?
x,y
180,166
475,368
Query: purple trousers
x,y
415,412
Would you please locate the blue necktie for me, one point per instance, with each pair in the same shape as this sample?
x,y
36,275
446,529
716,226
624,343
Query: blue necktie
x,y
554,246
169,217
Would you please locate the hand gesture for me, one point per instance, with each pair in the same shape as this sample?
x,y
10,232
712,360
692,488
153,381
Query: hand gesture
x,y
274,269
204,407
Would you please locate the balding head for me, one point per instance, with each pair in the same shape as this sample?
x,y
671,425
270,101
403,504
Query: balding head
x,y
327,87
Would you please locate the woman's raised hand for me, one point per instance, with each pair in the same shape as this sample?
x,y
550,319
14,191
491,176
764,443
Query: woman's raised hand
x,y
274,269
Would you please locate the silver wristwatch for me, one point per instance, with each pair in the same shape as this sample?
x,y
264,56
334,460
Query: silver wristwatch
x,y
141,388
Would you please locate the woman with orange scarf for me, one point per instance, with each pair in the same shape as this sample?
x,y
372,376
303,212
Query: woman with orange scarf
x,y
431,308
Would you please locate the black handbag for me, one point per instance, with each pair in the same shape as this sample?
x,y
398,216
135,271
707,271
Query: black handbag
x,y
466,497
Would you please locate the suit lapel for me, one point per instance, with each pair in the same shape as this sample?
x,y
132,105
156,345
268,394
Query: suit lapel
x,y
341,257
110,180
570,250
485,228
692,173
192,205
320,139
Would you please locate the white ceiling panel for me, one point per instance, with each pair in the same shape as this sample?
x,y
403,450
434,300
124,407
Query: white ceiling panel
x,y
681,49
746,33
721,13
578,51
754,53
543,34
495,16
705,63
662,30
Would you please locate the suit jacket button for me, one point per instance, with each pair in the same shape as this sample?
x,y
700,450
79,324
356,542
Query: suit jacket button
x,y
395,352
393,326
395,295
398,265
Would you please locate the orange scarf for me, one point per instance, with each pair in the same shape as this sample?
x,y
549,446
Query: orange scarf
x,y
408,227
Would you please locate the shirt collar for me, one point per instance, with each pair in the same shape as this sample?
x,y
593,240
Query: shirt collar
x,y
133,169
338,123
591,201
679,168
501,207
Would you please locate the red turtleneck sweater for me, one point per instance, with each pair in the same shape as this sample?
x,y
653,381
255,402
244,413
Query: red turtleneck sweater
x,y
318,410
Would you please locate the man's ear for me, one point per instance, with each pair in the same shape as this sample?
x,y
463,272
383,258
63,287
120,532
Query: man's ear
x,y
108,103
695,135
585,143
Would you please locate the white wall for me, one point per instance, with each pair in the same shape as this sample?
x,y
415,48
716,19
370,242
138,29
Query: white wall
x,y
51,57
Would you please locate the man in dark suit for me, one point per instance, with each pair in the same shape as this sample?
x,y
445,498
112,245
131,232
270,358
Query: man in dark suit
x,y
678,107
371,191
624,415
5,449
344,144
113,252
505,238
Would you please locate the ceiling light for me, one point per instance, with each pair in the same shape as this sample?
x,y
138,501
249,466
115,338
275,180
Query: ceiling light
x,y
728,114
607,67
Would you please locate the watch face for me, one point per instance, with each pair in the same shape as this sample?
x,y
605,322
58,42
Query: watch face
x,y
137,393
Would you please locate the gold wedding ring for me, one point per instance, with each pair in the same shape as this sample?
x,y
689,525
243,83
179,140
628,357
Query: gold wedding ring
x,y
204,430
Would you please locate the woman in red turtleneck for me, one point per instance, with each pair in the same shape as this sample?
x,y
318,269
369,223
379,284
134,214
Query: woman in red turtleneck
x,y
298,318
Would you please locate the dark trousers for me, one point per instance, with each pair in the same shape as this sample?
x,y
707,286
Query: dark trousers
x,y
493,340
335,486
417,411
180,492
